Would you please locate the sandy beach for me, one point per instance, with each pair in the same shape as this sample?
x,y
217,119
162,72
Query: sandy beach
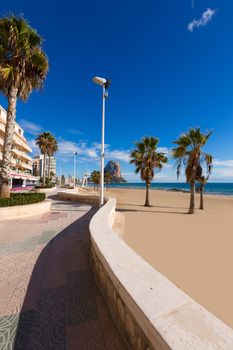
x,y
194,251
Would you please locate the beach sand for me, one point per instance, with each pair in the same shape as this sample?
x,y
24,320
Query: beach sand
x,y
194,251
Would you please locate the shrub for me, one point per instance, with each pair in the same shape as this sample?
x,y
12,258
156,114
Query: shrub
x,y
46,186
22,199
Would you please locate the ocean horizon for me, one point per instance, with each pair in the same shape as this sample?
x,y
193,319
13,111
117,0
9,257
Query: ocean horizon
x,y
216,188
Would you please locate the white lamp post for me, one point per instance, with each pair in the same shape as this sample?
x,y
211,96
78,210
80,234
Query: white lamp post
x,y
105,84
75,154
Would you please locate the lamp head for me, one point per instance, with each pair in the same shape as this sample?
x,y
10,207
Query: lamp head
x,y
102,81
99,81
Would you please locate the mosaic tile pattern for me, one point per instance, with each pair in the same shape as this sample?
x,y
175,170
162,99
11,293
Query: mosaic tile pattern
x,y
48,297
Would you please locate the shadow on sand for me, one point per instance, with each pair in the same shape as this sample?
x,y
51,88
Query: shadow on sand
x,y
151,206
151,211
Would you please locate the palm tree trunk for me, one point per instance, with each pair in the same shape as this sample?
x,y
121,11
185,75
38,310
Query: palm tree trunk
x,y
201,197
147,204
44,169
192,198
5,178
49,166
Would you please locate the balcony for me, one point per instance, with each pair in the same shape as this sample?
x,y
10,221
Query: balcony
x,y
26,166
22,155
22,143
19,164
18,140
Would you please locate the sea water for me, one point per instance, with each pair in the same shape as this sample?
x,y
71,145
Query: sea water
x,y
211,188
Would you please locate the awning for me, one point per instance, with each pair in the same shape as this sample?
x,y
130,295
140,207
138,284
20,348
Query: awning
x,y
24,176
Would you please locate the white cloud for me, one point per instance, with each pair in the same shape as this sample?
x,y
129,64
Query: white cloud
x,y
67,147
206,17
118,155
89,153
34,147
223,163
31,128
222,174
167,151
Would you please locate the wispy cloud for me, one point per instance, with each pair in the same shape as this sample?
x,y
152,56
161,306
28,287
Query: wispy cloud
x,y
89,152
74,132
167,151
118,155
66,147
206,17
34,147
29,127
223,163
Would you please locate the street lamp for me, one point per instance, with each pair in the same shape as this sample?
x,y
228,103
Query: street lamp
x,y
75,154
105,84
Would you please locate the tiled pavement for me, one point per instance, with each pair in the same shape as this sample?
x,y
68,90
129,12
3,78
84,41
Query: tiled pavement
x,y
48,299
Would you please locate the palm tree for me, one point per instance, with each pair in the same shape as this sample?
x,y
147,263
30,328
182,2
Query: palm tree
x,y
43,141
189,154
23,67
52,148
95,177
108,178
146,159
62,180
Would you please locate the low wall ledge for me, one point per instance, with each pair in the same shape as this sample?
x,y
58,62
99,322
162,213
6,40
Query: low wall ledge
x,y
20,211
149,310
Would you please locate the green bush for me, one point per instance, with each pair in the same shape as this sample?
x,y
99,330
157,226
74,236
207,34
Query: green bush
x,y
22,199
46,186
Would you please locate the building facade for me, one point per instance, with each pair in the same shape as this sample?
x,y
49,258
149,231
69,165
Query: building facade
x,y
38,166
21,170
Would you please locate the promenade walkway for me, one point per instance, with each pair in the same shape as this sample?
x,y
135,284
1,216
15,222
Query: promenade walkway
x,y
48,298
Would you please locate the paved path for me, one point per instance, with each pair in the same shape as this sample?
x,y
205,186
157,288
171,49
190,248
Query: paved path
x,y
48,299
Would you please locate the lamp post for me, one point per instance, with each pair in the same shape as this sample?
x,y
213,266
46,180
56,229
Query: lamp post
x,y
75,154
105,84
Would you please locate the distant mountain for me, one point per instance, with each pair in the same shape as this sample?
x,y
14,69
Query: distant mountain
x,y
115,170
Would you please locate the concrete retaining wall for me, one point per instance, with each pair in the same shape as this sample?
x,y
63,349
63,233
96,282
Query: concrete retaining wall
x,y
73,195
20,211
150,311
44,190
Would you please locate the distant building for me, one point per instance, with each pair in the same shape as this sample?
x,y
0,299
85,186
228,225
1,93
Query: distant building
x,y
21,170
38,166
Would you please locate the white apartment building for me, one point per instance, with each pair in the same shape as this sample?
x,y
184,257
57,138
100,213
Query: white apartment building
x,y
21,171
38,168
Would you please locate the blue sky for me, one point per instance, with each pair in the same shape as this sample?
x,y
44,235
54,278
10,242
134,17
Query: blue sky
x,y
171,66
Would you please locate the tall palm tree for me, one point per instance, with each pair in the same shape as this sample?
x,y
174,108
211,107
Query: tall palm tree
x,y
23,67
189,153
147,160
107,178
95,177
43,141
52,149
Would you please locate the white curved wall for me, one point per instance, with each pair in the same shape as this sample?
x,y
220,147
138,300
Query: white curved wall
x,y
20,211
150,311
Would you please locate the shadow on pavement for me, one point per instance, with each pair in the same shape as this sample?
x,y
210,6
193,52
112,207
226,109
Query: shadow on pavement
x,y
63,308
